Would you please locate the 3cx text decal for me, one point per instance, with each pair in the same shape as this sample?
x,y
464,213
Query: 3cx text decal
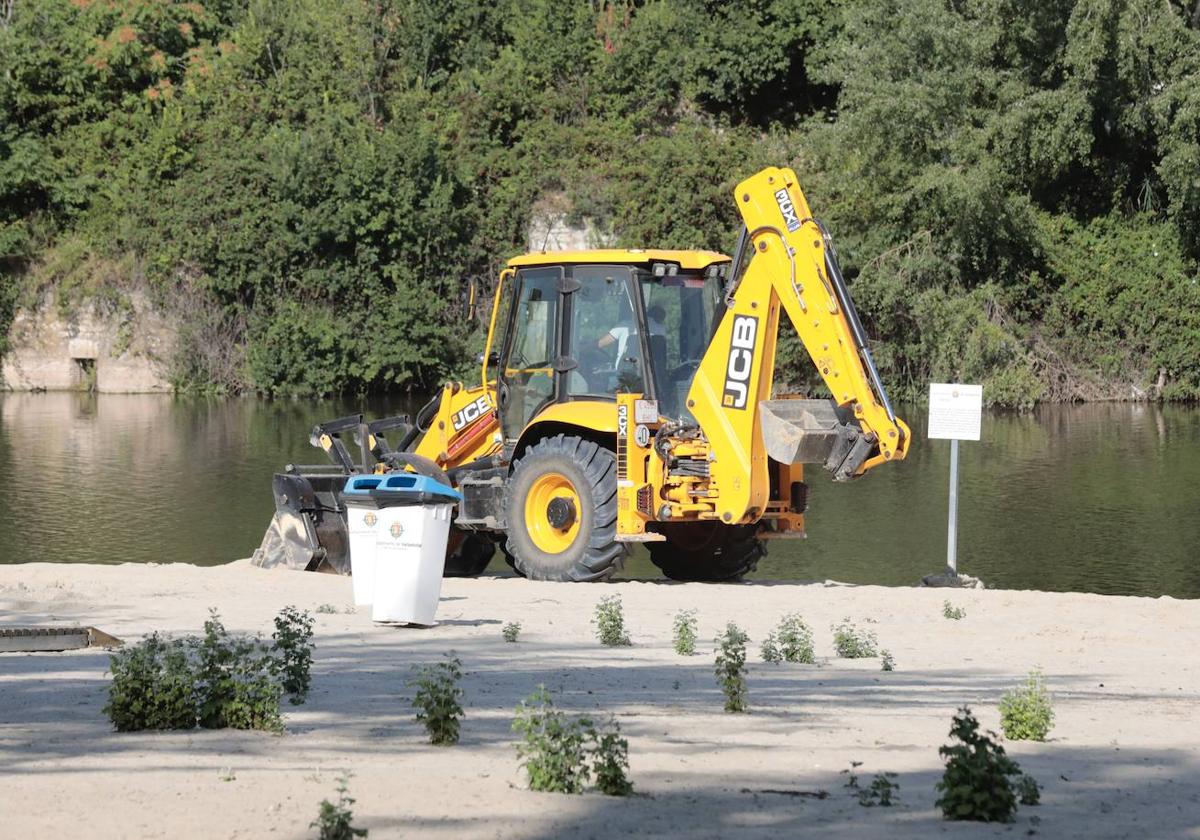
x,y
471,413
788,209
741,361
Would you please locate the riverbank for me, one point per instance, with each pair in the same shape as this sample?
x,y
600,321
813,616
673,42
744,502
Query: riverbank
x,y
1123,759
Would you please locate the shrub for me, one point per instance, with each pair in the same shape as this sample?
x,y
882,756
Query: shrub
x,y
326,609
770,649
610,622
153,685
730,667
952,612
881,792
610,761
214,681
1028,791
795,640
293,644
511,631
1025,712
851,642
237,680
335,821
886,663
436,700
553,747
976,784
684,632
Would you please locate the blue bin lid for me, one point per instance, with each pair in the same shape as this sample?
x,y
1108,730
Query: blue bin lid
x,y
411,484
362,485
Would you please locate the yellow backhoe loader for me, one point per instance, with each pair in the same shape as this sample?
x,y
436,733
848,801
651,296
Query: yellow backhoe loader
x,y
626,397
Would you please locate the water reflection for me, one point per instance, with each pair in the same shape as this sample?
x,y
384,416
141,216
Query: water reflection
x,y
1097,498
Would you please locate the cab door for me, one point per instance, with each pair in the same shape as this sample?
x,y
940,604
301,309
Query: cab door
x,y
527,380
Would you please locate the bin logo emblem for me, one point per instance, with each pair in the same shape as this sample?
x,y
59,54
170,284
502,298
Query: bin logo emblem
x,y
370,519
396,530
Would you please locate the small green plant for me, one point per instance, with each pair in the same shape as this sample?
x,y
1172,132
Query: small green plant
x,y
684,632
886,663
793,639
436,700
769,650
335,821
1028,791
511,631
730,667
1026,713
882,791
610,761
852,775
553,747
153,685
293,644
610,622
851,642
952,612
977,783
326,609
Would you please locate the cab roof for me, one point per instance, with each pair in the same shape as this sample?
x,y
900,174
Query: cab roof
x,y
687,260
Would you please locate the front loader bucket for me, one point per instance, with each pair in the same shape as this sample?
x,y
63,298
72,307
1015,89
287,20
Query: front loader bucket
x,y
813,432
308,531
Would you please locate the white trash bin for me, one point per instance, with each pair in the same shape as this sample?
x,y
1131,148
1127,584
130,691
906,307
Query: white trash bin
x,y
362,523
410,547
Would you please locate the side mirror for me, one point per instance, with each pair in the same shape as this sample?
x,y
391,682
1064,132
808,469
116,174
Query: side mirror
x,y
493,358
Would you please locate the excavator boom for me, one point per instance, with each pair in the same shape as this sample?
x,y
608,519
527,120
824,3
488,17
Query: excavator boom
x,y
785,261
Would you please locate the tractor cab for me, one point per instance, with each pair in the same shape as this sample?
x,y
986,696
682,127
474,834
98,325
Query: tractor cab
x,y
589,325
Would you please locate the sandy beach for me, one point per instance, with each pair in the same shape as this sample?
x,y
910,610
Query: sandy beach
x,y
1123,759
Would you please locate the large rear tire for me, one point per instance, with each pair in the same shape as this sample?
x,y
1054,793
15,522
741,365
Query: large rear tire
x,y
470,556
709,552
562,512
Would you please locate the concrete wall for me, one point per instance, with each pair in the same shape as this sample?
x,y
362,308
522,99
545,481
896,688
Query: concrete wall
x,y
116,353
551,230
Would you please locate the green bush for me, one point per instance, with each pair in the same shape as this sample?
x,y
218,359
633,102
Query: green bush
x,y
214,681
610,761
609,619
560,753
978,781
882,792
511,631
790,641
293,645
730,667
952,612
335,821
852,642
437,700
886,662
1026,713
553,747
684,632
153,685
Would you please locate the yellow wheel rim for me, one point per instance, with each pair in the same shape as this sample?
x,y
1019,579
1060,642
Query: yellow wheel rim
x,y
552,529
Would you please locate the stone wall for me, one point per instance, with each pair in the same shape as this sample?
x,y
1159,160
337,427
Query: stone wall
x,y
84,346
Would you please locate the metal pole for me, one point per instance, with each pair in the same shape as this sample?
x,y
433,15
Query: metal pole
x,y
952,531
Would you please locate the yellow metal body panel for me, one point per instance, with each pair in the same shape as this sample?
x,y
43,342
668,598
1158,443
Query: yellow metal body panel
x,y
466,416
595,415
689,260
788,271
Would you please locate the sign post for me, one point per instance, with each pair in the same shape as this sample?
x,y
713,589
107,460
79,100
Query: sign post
x,y
955,413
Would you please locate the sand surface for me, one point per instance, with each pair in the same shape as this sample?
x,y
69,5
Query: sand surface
x,y
1122,761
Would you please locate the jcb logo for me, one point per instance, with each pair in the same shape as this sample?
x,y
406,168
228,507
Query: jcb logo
x,y
471,413
741,361
788,209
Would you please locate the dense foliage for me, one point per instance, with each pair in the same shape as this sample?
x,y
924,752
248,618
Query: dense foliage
x,y
1015,185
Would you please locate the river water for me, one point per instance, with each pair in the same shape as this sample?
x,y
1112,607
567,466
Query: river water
x,y
1097,498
